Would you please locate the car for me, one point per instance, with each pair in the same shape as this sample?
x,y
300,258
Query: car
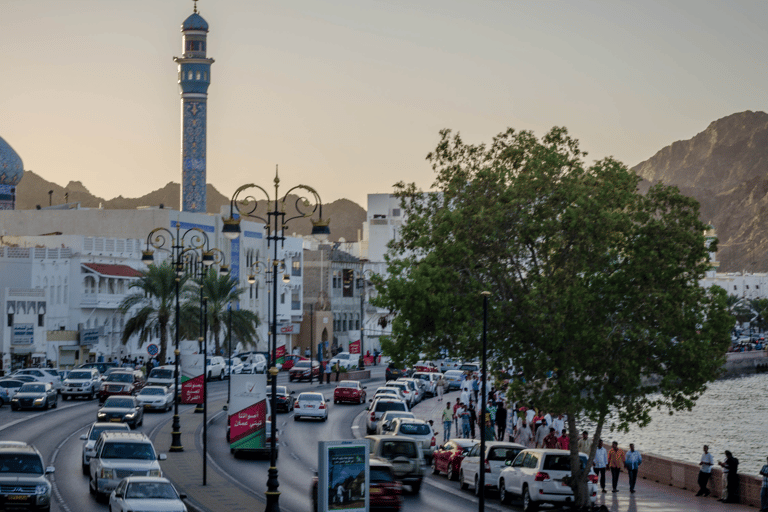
x,y
378,407
41,375
419,430
232,366
416,388
11,386
146,493
82,382
404,454
349,391
448,456
537,475
23,478
384,491
430,380
449,363
102,366
291,359
472,368
4,396
383,426
155,398
118,455
122,408
496,454
121,382
215,368
90,438
406,390
35,395
393,372
453,378
425,366
310,405
284,399
389,390
254,363
345,360
303,369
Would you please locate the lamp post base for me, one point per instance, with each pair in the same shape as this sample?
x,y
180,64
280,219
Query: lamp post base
x,y
273,495
199,408
176,435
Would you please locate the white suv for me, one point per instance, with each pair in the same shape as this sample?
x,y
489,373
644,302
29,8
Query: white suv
x,y
215,368
41,375
83,382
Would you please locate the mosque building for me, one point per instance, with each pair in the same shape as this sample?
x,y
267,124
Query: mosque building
x,y
11,172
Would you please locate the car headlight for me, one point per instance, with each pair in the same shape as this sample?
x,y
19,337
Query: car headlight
x,y
101,415
155,472
42,489
14,399
130,414
87,384
39,400
107,473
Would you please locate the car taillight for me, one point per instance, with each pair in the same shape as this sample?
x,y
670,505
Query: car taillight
x,y
373,416
593,478
433,443
322,405
487,466
541,477
297,405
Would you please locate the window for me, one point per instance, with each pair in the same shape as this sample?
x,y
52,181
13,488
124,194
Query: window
x,y
349,278
395,212
296,268
295,301
336,279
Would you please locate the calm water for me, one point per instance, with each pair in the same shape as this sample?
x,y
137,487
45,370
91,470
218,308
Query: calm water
x,y
731,415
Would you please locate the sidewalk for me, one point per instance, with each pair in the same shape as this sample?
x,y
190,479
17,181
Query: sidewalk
x,y
650,496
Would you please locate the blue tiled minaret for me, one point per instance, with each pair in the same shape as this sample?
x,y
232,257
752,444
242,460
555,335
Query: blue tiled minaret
x,y
194,78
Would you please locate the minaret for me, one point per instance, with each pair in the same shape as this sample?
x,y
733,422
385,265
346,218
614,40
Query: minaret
x,y
194,78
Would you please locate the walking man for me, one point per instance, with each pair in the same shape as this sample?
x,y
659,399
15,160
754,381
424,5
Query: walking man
x,y
615,462
705,471
632,462
764,488
584,443
447,420
601,462
327,373
501,420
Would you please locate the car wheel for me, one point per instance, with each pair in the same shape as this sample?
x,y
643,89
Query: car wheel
x,y
63,397
415,488
325,418
464,484
221,376
56,403
451,473
528,505
92,487
14,408
434,468
504,496
295,417
141,421
85,469
477,486
92,395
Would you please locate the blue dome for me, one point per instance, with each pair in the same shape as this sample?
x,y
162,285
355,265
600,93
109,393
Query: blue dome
x,y
11,168
194,22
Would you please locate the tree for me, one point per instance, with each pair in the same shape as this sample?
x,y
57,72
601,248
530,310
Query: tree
x,y
156,303
594,287
220,291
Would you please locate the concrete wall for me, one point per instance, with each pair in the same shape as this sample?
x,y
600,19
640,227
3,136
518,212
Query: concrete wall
x,y
685,475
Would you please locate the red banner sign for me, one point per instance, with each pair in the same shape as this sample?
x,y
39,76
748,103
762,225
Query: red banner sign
x,y
354,347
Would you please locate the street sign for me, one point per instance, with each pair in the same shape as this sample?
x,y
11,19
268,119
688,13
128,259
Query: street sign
x,y
153,349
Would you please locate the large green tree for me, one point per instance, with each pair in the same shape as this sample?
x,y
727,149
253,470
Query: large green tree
x,y
153,307
220,291
594,287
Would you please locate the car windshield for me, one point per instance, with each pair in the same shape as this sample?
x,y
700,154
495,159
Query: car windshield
x,y
96,431
160,373
394,449
125,450
21,463
414,429
32,388
502,453
302,364
79,376
120,377
11,383
314,397
150,491
152,391
390,406
561,462
282,390
381,475
118,402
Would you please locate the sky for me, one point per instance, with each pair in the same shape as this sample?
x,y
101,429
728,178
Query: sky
x,y
348,97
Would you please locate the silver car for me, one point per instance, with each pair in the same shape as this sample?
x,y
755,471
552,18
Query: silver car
x,y
23,482
419,430
148,494
83,382
92,436
155,398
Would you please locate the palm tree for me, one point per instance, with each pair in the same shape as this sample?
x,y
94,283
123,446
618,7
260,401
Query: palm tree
x,y
220,291
156,303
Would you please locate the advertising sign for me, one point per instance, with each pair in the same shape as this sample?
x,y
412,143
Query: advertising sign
x,y
248,412
23,334
343,476
354,347
192,378
280,354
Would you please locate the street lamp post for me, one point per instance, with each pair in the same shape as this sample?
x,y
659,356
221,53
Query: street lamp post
x,y
275,224
483,407
363,274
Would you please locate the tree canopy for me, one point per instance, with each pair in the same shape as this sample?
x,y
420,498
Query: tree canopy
x,y
595,291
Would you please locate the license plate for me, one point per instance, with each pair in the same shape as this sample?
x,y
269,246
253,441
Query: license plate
x,y
17,497
116,420
310,407
375,490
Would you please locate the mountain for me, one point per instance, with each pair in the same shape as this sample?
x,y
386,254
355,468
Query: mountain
x,y
32,191
725,168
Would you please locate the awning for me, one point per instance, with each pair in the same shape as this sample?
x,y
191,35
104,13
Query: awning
x,y
70,348
39,354
110,270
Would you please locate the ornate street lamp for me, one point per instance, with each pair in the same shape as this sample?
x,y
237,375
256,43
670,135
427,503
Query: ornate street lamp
x,y
244,205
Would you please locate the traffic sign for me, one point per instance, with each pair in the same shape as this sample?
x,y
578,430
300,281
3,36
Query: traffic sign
x,y
153,349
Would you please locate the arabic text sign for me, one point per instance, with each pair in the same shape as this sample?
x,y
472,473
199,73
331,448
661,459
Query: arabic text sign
x,y
192,378
248,407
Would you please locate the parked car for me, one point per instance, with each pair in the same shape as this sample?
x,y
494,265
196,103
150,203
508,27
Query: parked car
x,y
385,422
404,454
83,382
447,457
122,408
453,378
349,391
121,454
254,363
378,407
4,396
42,375
310,405
233,366
284,400
11,386
416,388
425,366
496,454
384,491
387,390
537,476
346,361
291,359
405,389
90,438
393,372
471,368
215,368
449,364
23,478
430,380
146,493
419,430
124,382
35,395
303,369
155,398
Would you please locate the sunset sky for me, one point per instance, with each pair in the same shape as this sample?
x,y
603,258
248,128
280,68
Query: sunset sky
x,y
349,96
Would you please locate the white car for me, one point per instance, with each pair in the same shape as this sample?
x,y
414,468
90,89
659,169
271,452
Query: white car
x,y
92,436
449,364
254,363
377,409
11,386
148,494
419,430
42,375
215,368
163,376
496,455
155,398
453,379
233,366
121,453
537,475
387,390
310,405
405,389
430,381
346,360
83,382
416,386
382,428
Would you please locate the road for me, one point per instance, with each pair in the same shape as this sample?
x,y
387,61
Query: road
x,y
56,433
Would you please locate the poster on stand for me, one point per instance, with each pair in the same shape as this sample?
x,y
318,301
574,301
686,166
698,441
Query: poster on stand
x,y
354,347
248,412
192,378
343,476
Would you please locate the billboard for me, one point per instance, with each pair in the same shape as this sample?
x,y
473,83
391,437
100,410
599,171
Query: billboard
x,y
192,378
343,476
248,412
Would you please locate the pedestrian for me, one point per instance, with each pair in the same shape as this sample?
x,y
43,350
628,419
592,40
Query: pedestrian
x,y
472,419
764,488
705,471
600,462
523,434
464,415
559,423
615,463
475,387
632,462
337,369
440,385
731,464
456,417
564,442
307,352
550,440
447,420
501,420
327,373
541,432
584,444
489,431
